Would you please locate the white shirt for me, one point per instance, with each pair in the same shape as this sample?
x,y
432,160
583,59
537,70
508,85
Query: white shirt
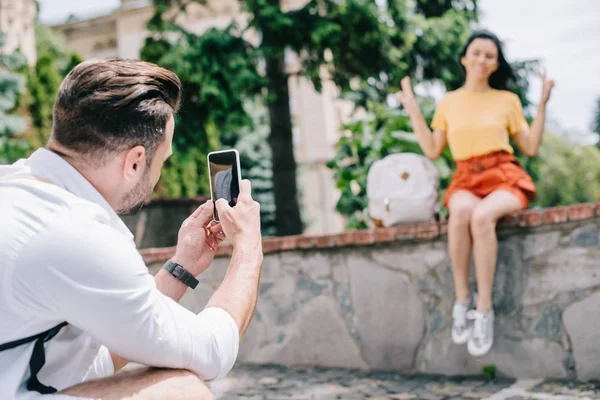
x,y
65,255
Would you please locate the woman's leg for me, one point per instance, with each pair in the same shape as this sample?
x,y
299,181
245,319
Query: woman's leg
x,y
461,206
485,244
485,249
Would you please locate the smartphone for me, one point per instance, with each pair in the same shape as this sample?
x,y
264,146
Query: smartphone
x,y
225,176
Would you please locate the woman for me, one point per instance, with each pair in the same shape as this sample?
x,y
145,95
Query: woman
x,y
476,121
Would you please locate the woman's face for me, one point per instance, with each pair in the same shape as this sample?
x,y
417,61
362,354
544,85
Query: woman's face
x,y
481,59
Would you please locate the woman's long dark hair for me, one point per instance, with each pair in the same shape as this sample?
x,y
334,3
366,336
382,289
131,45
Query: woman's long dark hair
x,y
503,77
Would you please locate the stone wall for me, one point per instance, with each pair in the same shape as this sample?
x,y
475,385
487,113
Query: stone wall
x,y
382,299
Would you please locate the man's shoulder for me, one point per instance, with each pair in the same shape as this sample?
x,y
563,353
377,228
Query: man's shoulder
x,y
48,221
45,198
79,246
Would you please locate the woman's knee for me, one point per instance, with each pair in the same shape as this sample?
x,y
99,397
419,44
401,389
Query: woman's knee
x,y
461,212
482,221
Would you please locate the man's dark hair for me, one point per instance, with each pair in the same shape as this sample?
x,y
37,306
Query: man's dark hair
x,y
105,106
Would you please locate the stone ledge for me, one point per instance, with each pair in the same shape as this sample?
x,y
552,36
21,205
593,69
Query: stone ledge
x,y
405,232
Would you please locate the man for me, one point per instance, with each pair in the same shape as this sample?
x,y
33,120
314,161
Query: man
x,y
76,299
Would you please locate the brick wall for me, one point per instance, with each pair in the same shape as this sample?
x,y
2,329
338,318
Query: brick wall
x,y
407,232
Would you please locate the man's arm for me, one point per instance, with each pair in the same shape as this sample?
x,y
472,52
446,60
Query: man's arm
x,y
195,251
239,290
98,282
168,285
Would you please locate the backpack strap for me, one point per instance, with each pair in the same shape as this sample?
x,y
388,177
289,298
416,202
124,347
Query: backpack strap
x,y
38,357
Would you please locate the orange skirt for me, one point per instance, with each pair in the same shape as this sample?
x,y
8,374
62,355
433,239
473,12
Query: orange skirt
x,y
485,174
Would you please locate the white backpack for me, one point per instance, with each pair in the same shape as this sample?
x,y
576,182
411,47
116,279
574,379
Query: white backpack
x,y
402,188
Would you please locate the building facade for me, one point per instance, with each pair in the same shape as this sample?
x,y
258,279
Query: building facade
x,y
17,21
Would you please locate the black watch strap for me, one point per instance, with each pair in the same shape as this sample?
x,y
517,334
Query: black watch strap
x,y
181,274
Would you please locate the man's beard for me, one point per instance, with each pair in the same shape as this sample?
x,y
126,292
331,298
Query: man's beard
x,y
133,202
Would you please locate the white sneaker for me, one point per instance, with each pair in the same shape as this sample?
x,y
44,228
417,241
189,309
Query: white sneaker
x,y
461,328
482,337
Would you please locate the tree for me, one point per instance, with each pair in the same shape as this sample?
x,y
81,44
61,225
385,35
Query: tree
x,y
257,165
344,41
358,44
12,85
218,73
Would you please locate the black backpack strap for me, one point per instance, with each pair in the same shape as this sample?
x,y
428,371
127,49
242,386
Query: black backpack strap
x,y
38,357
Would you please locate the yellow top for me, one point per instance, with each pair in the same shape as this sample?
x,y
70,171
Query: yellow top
x,y
478,123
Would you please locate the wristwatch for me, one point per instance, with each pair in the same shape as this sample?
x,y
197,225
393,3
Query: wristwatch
x,y
181,274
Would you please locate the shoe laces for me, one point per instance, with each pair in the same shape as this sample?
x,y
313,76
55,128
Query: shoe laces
x,y
479,324
459,314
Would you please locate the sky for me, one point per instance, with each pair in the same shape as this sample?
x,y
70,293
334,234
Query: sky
x,y
563,35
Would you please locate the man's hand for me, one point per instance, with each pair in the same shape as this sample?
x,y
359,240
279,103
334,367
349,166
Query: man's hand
x,y
238,292
196,244
241,223
198,240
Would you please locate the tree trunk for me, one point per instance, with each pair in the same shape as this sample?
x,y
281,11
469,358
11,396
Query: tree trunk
x,y
287,214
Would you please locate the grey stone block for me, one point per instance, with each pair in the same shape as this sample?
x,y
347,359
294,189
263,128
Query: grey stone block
x,y
317,264
437,322
412,260
585,236
271,266
389,315
583,326
560,271
539,243
549,324
521,359
340,274
319,336
509,279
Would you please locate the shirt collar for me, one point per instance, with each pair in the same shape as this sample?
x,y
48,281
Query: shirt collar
x,y
45,164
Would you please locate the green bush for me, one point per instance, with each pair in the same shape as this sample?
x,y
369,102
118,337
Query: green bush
x,y
568,173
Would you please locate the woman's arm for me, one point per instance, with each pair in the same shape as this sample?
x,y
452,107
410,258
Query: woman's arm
x,y
529,140
432,144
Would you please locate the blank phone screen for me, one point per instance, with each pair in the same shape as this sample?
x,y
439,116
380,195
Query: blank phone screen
x,y
224,177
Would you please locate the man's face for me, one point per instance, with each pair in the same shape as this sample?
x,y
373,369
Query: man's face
x,y
133,201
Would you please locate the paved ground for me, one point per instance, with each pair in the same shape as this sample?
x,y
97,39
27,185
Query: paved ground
x,y
278,383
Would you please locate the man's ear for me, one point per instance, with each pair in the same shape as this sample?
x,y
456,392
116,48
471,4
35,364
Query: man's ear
x,y
134,162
